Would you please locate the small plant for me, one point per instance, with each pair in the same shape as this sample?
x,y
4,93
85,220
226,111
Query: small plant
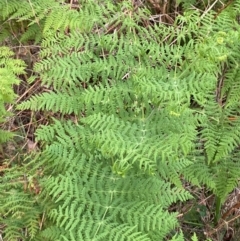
x,y
10,68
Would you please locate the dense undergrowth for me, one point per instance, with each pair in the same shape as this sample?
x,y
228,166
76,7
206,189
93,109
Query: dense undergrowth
x,y
126,125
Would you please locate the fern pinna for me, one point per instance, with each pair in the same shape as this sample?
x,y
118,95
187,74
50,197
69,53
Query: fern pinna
x,y
144,110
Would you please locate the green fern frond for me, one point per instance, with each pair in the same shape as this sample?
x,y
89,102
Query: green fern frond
x,y
109,202
10,68
5,136
19,209
150,104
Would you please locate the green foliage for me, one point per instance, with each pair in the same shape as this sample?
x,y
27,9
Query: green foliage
x,y
111,172
21,21
195,238
219,132
142,105
10,68
20,207
93,203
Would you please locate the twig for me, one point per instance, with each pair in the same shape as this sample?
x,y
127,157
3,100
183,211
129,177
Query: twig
x,y
205,12
223,223
27,91
34,13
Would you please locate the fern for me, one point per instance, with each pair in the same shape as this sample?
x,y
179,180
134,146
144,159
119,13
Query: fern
x,y
106,206
110,174
20,207
9,69
28,16
91,202
150,107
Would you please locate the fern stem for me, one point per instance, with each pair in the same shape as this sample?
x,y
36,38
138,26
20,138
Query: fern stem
x,y
193,223
217,210
100,224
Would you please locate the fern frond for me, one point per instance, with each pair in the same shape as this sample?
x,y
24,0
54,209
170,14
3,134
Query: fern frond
x,y
19,209
109,202
145,108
